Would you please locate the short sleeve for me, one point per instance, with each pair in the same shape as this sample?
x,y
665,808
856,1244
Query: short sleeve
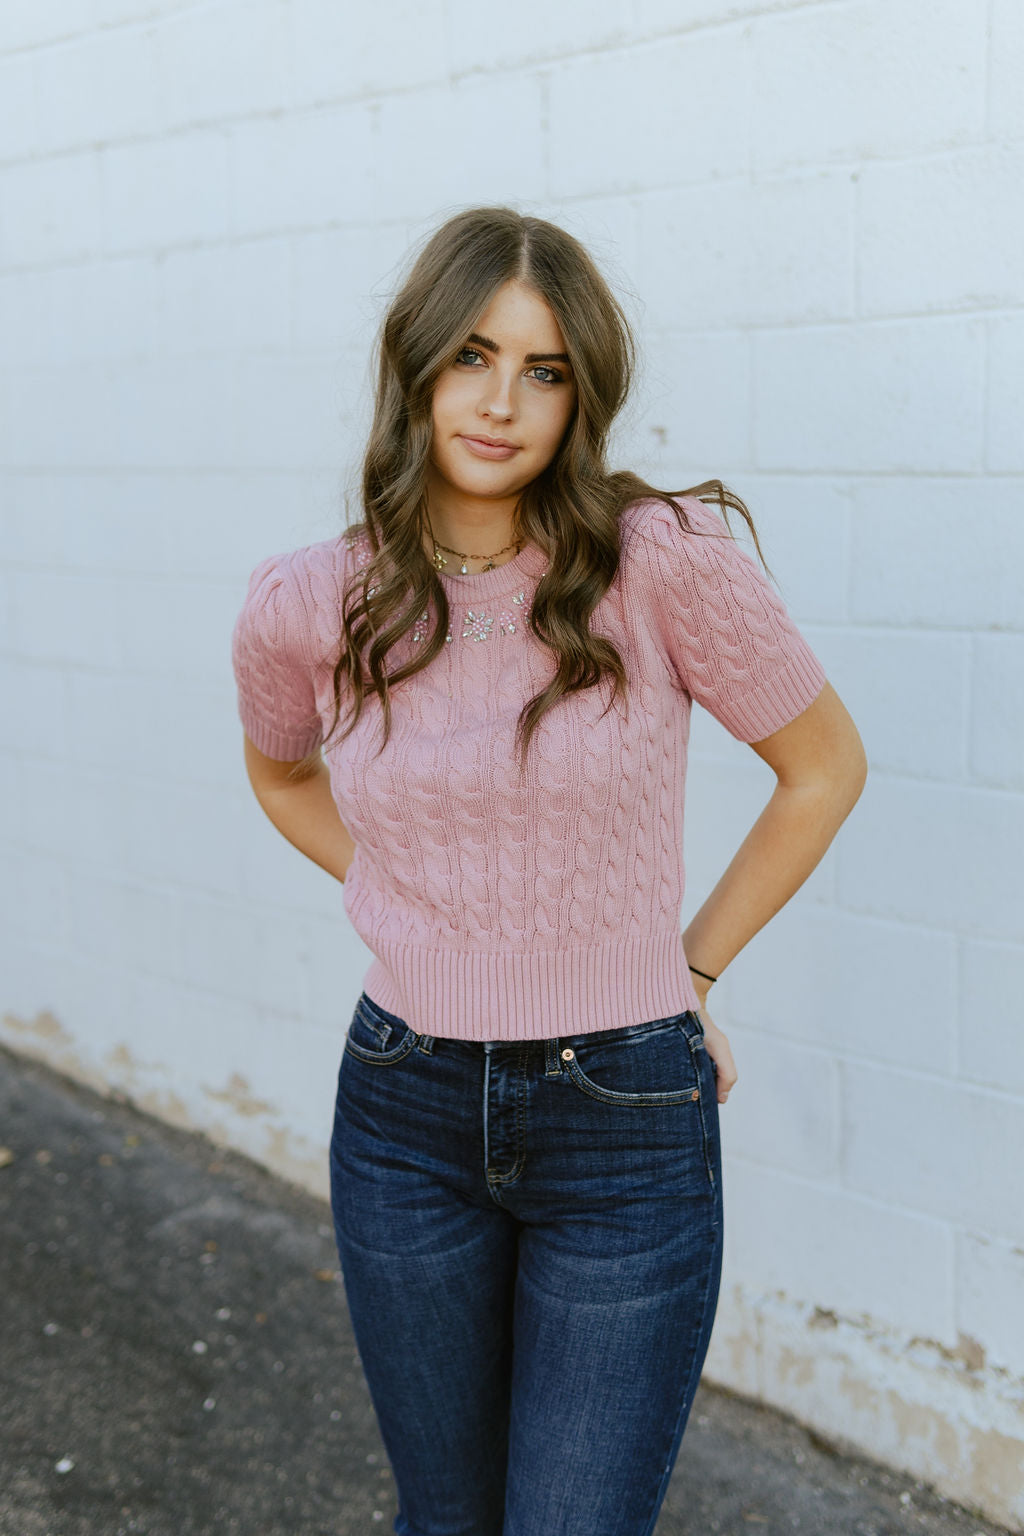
x,y
724,627
270,647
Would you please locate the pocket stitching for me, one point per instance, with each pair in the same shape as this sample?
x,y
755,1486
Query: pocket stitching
x,y
640,1100
382,1028
382,1058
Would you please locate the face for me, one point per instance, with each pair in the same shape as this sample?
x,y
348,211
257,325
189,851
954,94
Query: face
x,y
512,381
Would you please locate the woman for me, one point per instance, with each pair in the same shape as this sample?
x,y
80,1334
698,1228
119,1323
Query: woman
x,y
525,1164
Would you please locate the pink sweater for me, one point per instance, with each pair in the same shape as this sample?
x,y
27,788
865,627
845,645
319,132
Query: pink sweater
x,y
500,910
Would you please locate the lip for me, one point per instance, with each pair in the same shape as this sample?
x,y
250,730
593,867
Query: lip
x,y
490,447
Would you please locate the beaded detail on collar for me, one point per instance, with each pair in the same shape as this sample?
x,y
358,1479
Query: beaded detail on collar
x,y
476,624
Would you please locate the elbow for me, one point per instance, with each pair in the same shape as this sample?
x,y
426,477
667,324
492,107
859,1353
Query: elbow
x,y
846,783
860,776
836,783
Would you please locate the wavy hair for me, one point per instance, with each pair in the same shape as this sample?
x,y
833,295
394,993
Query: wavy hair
x,y
570,511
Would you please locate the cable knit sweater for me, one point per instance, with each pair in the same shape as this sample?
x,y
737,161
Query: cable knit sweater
x,y
498,909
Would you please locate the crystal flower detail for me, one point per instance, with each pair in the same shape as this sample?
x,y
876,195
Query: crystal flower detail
x,y
477,626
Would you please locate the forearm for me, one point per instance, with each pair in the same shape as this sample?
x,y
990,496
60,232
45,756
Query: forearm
x,y
305,813
786,842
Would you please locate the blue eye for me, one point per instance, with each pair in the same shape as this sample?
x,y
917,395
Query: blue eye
x,y
554,376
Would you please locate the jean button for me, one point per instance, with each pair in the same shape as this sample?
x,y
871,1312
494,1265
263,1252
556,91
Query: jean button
x,y
568,1055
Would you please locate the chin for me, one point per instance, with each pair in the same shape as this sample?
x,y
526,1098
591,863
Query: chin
x,y
487,489
493,479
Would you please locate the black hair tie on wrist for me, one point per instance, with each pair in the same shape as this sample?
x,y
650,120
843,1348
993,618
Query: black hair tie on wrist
x,y
703,973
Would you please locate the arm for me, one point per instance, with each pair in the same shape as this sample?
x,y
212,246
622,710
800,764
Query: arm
x,y
820,765
302,810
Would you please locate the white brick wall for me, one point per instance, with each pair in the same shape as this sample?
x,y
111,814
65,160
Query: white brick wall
x,y
812,209
905,396
867,80
1006,395
958,543
989,1285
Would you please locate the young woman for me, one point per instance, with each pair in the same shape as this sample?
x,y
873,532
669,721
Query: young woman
x,y
525,1163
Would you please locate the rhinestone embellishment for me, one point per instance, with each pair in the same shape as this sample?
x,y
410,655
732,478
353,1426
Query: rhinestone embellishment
x,y
475,626
478,626
361,549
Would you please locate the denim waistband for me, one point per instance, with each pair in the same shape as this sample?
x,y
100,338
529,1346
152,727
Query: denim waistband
x,y
686,1019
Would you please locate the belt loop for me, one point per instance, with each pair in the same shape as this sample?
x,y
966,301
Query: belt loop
x,y
691,1026
551,1067
425,1044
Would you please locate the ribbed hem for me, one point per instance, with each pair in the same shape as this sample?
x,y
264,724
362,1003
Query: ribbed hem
x,y
537,995
286,747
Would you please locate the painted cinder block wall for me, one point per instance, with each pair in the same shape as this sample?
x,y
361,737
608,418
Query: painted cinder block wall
x,y
814,212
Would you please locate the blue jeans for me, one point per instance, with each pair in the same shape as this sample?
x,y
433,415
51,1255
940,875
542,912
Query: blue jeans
x,y
530,1237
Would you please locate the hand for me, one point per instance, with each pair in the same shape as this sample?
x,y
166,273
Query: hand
x,y
718,1049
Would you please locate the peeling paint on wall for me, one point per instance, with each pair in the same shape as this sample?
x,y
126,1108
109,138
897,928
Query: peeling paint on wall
x,y
240,1097
42,1025
242,1121
940,1414
43,1038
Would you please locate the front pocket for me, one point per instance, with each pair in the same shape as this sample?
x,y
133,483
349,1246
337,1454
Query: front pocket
x,y
378,1037
656,1067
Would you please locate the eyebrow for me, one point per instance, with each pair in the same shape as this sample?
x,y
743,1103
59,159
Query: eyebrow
x,y
531,357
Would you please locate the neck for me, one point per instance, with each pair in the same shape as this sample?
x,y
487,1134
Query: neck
x,y
450,557
483,539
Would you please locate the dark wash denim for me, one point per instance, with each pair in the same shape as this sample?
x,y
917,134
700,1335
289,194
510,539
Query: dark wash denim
x,y
530,1237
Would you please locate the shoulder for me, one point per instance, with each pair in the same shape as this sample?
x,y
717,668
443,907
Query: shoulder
x,y
294,596
325,563
682,544
723,626
310,566
651,521
700,573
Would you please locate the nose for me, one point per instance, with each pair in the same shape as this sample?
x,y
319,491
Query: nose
x,y
497,400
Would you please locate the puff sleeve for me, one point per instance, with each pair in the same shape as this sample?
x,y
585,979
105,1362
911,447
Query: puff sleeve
x,y
270,650
723,626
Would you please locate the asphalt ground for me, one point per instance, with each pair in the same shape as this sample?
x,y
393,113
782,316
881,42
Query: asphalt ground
x,y
176,1359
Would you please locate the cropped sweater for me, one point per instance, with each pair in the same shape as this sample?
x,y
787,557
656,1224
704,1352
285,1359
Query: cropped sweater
x,y
500,908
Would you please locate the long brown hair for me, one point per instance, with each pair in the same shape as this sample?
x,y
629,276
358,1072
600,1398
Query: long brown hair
x,y
570,511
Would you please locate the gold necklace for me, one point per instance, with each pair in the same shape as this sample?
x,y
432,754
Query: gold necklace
x,y
441,561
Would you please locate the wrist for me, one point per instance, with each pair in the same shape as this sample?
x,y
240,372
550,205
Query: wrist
x,y
702,983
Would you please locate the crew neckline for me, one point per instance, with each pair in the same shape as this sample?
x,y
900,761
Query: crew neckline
x,y
531,561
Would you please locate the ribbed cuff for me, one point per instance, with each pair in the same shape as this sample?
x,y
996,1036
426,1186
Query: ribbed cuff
x,y
792,689
286,746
